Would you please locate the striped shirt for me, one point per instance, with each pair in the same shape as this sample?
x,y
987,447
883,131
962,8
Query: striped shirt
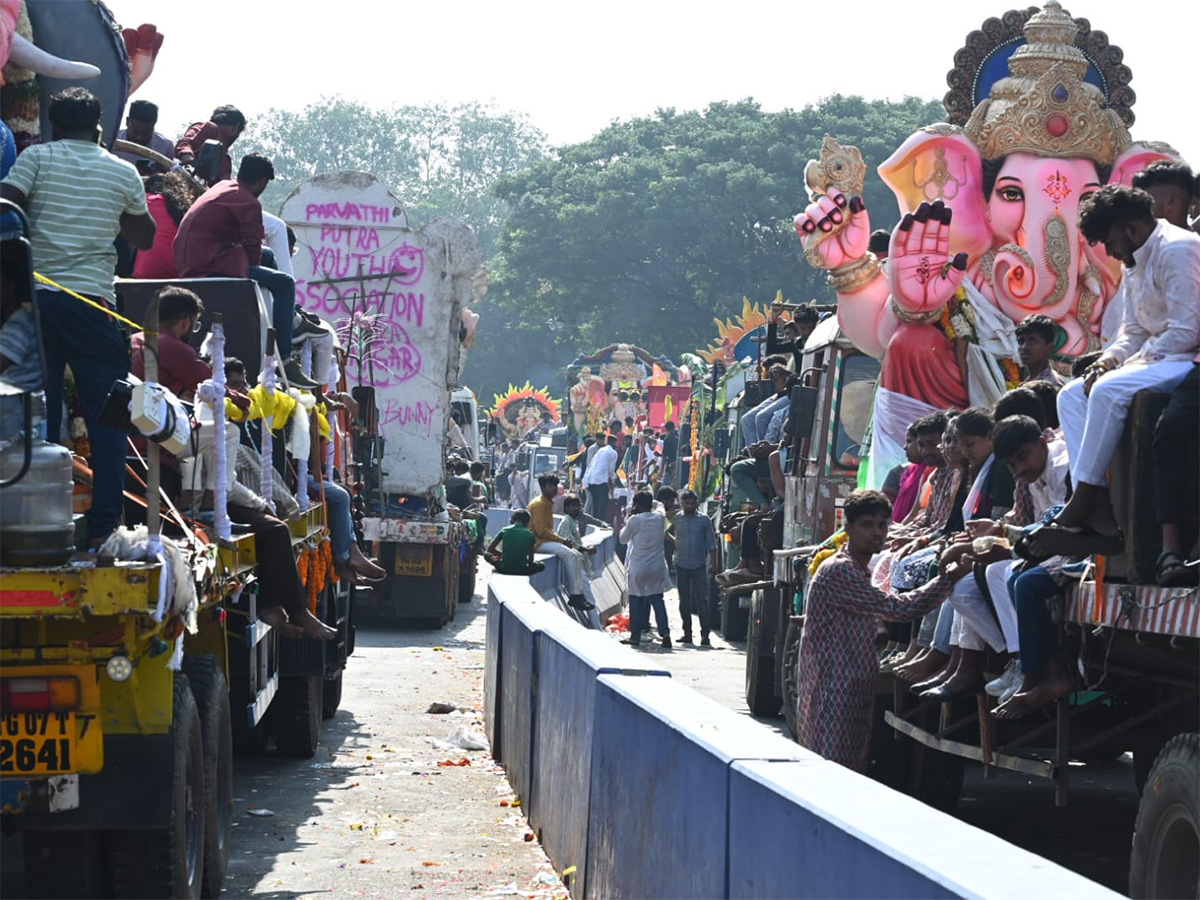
x,y
75,195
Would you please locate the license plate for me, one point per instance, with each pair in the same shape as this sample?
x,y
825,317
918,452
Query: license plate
x,y
38,743
414,559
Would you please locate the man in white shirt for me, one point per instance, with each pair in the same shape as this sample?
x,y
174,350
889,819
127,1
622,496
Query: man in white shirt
x,y
1153,350
600,475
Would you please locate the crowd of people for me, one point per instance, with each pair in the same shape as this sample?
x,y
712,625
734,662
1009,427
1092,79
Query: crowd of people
x,y
94,217
972,539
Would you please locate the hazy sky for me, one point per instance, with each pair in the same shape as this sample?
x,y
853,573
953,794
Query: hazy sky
x,y
575,68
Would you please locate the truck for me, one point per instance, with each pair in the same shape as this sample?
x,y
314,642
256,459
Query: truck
x,y
1138,645
399,300
127,686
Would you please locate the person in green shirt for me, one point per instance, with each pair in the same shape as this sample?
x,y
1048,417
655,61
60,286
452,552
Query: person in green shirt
x,y
516,544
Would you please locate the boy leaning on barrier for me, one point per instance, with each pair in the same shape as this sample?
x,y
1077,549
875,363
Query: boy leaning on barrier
x,y
516,543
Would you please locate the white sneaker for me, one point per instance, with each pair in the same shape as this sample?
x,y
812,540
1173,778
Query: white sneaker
x,y
1007,695
1008,682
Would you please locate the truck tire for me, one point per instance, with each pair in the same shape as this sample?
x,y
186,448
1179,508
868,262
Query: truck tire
x,y
67,864
207,678
733,618
791,668
331,694
1164,862
296,715
760,673
466,580
169,862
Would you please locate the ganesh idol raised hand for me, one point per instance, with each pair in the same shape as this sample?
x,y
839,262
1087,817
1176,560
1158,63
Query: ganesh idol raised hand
x,y
989,234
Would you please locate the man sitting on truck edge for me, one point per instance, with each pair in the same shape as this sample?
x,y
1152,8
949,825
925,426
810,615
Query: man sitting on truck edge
x,y
516,543
221,236
1173,187
78,198
226,125
283,603
1155,346
541,515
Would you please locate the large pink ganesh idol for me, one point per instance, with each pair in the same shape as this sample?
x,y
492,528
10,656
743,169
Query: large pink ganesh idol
x,y
990,228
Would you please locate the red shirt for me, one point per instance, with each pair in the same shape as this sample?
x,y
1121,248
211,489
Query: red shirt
x,y
222,234
193,141
180,368
158,263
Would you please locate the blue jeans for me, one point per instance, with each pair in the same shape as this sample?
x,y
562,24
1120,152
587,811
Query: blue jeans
x,y
1031,590
693,598
639,615
755,422
745,474
283,290
341,526
92,344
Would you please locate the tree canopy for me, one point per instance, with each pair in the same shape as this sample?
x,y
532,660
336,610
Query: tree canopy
x,y
657,225
437,159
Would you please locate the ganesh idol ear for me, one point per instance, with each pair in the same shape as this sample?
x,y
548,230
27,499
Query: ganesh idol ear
x,y
939,162
1136,157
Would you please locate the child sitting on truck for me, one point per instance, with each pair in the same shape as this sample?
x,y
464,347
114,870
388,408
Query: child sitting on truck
x,y
516,543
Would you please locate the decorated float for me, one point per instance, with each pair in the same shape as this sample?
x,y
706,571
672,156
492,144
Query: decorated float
x,y
623,381
519,410
1038,117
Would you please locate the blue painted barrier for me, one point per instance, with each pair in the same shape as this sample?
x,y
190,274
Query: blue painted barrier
x,y
491,664
672,795
522,618
658,815
569,662
815,829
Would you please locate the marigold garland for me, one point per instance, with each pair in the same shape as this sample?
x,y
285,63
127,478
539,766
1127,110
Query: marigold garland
x,y
829,548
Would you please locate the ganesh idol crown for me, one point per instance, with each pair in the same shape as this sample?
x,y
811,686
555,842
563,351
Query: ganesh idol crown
x,y
1038,118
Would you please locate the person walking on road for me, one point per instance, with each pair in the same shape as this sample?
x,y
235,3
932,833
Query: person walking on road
x,y
646,569
695,552
600,475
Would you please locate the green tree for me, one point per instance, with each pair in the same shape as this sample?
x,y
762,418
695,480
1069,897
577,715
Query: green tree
x,y
437,159
657,225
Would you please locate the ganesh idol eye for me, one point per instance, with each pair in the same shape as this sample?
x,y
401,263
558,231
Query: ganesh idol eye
x,y
1010,193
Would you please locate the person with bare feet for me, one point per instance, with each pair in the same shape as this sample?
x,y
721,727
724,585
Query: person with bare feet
x,y
1154,348
990,497
837,664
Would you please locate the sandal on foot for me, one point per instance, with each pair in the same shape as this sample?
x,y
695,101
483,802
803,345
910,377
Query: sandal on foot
x,y
1173,570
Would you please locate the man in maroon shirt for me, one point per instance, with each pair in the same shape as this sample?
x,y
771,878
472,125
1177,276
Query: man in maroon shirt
x,y
226,125
283,603
222,234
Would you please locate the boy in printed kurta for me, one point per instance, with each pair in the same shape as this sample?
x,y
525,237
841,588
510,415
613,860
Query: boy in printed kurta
x,y
838,665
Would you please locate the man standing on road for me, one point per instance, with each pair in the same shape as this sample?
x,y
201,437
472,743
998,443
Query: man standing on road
x,y
646,569
670,453
78,198
695,552
600,475
541,514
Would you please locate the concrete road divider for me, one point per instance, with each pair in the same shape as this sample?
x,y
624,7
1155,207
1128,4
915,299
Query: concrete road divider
x,y
523,616
569,662
659,804
816,829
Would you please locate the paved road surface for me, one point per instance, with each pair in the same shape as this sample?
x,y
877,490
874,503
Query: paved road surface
x,y
373,815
